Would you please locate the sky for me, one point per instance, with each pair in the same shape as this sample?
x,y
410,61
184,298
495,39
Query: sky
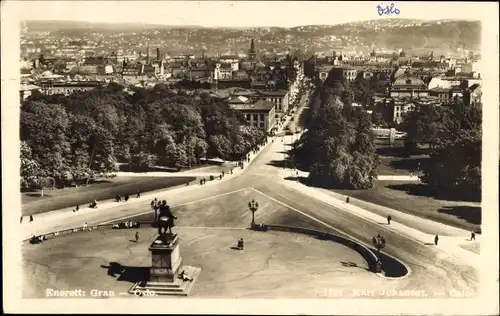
x,y
237,13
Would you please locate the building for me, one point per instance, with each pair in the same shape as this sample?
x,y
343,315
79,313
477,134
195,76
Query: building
x,y
442,94
232,60
323,71
280,98
26,90
406,104
476,93
260,114
223,71
349,74
408,85
50,87
198,73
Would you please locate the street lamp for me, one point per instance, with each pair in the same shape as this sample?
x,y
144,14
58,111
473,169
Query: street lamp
x,y
253,206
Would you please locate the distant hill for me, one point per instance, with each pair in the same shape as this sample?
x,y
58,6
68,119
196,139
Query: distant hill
x,y
51,26
392,34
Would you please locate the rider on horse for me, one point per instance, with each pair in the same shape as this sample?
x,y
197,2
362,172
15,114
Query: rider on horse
x,y
165,219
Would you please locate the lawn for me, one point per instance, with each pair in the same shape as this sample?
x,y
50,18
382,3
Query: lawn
x,y
33,203
412,199
394,162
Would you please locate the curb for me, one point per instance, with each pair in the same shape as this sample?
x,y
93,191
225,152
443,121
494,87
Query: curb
x,y
367,254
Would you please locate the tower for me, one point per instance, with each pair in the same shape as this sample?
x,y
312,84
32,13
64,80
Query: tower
x,y
252,53
158,57
148,56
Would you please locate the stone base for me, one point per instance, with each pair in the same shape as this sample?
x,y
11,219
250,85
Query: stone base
x,y
177,287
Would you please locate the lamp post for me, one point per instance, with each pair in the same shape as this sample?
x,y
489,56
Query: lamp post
x,y
253,206
379,243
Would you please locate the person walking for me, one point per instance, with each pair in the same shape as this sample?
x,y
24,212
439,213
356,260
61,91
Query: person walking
x,y
389,218
31,218
85,226
436,239
136,236
347,200
472,236
138,194
21,219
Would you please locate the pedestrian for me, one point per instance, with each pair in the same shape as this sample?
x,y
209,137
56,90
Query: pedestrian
x,y
201,181
436,239
389,218
223,173
126,197
85,226
31,218
152,204
77,208
136,236
472,236
138,194
21,219
347,200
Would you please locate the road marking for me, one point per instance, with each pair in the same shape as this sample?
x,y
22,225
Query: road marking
x,y
335,229
183,204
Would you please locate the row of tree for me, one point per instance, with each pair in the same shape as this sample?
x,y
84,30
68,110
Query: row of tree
x,y
338,148
83,136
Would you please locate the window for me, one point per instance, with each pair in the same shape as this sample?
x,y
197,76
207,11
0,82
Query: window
x,y
261,124
262,117
248,117
255,117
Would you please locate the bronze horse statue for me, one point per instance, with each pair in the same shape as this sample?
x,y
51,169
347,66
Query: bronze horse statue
x,y
165,219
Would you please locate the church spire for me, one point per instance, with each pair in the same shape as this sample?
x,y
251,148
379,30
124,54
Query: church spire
x,y
252,53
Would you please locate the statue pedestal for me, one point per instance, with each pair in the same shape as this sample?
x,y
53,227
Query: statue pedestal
x,y
165,258
164,274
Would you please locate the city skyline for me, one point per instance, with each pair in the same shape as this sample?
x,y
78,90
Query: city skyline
x,y
236,14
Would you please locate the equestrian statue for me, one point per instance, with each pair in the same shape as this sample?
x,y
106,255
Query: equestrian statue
x,y
165,219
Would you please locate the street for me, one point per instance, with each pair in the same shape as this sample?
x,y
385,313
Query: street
x,y
432,268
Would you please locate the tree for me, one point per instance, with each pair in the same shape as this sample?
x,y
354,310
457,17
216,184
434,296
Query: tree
x,y
338,148
29,167
455,161
80,137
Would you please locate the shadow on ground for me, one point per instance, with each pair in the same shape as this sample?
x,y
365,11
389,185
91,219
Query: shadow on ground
x,y
411,164
391,267
281,163
420,189
398,151
471,214
128,274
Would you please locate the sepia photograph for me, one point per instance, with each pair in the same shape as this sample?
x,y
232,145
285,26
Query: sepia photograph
x,y
300,157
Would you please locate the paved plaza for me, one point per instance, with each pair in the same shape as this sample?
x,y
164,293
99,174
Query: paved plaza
x,y
272,264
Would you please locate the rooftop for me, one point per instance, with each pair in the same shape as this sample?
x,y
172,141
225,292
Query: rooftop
x,y
260,105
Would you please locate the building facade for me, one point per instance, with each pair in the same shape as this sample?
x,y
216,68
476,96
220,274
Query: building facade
x,y
260,114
